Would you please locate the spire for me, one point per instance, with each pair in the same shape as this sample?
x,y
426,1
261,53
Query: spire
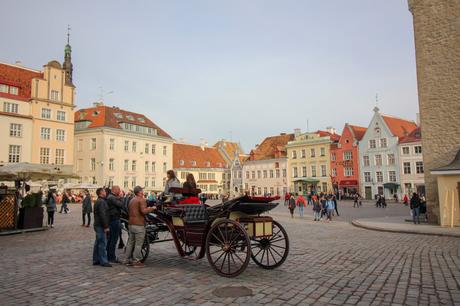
x,y
67,65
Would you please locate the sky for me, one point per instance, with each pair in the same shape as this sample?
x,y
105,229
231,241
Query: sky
x,y
239,70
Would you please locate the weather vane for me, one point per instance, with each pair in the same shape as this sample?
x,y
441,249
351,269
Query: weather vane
x,y
68,34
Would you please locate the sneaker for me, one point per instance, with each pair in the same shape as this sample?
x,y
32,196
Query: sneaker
x,y
107,265
138,264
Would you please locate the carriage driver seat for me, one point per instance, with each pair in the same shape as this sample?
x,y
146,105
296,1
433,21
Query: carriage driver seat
x,y
194,214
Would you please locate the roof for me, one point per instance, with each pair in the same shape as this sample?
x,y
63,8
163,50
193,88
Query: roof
x,y
194,156
271,147
453,167
230,148
334,137
358,131
107,116
20,77
399,127
414,136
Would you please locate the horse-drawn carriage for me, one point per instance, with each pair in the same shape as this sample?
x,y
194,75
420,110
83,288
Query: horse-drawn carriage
x,y
228,234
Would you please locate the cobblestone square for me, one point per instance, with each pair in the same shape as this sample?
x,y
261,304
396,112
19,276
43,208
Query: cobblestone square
x,y
329,264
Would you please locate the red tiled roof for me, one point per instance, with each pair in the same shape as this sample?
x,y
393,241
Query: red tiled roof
x,y
106,116
414,136
19,77
271,147
358,131
334,137
399,127
206,157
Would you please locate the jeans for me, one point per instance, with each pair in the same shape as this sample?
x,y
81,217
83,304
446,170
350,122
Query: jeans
x,y
64,207
317,214
114,234
301,210
329,213
51,217
135,242
84,215
100,246
416,215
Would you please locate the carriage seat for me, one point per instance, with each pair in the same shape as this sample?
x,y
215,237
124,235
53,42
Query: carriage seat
x,y
194,214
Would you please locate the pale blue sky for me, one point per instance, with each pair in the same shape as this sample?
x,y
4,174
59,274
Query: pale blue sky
x,y
221,69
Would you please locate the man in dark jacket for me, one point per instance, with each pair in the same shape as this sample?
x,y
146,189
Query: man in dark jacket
x,y
115,204
415,206
87,208
101,227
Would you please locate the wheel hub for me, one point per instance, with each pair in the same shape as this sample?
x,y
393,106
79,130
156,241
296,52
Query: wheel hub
x,y
264,243
226,247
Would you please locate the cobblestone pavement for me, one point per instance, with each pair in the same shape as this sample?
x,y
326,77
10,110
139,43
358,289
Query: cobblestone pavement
x,y
329,263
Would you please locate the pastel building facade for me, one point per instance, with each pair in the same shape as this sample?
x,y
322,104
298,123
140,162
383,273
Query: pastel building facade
x,y
117,147
411,163
233,154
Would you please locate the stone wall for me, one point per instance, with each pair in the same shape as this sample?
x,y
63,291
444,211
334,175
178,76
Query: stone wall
x,y
437,45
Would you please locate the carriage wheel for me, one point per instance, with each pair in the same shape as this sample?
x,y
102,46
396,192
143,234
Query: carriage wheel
x,y
227,248
271,252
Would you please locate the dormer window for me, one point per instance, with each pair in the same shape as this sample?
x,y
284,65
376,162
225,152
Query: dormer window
x,y
193,163
95,113
14,90
130,117
118,115
208,164
181,162
141,119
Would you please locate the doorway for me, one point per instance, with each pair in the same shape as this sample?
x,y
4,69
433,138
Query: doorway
x,y
368,192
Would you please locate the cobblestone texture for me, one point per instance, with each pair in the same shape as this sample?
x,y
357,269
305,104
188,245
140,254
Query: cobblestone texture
x,y
329,263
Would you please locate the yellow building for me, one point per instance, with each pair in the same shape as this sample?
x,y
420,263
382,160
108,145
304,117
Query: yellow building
x,y
36,117
205,163
309,161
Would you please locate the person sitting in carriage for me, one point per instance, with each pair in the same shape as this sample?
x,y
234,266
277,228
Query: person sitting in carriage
x,y
189,191
171,182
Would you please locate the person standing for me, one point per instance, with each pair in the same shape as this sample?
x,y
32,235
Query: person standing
x,y
334,200
405,200
64,201
101,227
287,196
137,211
415,206
115,204
355,200
317,210
329,208
301,203
51,206
87,208
291,205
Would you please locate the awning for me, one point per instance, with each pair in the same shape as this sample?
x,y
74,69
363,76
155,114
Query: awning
x,y
35,172
306,180
348,183
391,185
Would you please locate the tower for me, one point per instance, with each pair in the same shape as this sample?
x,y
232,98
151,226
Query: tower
x,y
67,65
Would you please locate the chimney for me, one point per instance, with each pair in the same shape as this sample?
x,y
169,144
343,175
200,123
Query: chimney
x,y
18,63
297,132
202,143
98,103
331,130
282,134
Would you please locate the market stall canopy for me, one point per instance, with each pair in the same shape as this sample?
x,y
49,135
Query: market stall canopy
x,y
35,172
306,180
391,185
81,186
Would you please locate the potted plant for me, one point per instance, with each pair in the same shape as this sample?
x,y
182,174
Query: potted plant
x,y
31,211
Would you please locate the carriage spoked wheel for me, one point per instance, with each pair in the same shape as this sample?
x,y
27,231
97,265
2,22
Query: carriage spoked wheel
x,y
228,248
271,252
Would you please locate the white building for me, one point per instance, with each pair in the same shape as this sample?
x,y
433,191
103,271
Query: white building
x,y
117,147
411,163
265,171
233,155
379,155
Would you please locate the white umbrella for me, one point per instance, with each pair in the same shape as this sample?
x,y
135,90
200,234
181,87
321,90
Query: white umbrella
x,y
35,172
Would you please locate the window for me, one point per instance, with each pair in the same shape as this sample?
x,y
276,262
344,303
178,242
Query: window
x,y
302,153
366,161
126,146
153,149
126,165
372,144
46,113
294,172
193,162
324,186
406,168
259,174
304,171
247,174
272,191
347,155
54,95
10,107
110,181
111,164
59,158
418,149
93,144
253,174
265,190
284,173
165,167
60,135
277,173
312,152
323,151
333,156
153,167
379,176
44,155
367,177
126,182
146,166
60,115
147,148
203,176
15,130
80,145
134,147
265,173
348,171
146,182
112,144
392,176
153,182
164,150
313,170
383,142
259,190
45,133
14,90
419,167
405,150
391,159
4,88
14,154
271,173
334,172
323,170
133,165
294,154
378,160
93,164
133,181
211,176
